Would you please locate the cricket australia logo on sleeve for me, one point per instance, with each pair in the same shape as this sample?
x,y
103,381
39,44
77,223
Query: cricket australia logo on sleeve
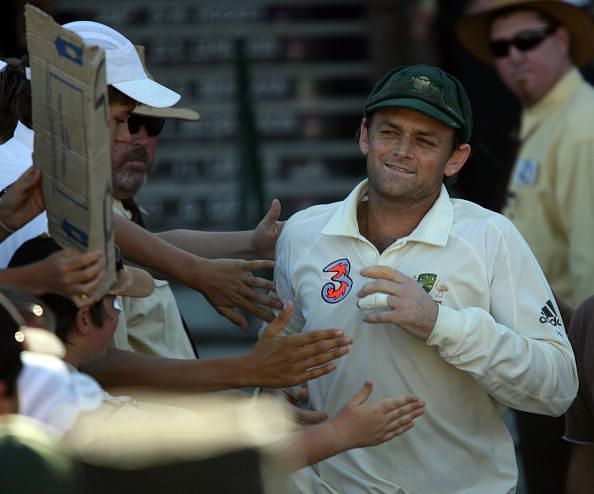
x,y
340,285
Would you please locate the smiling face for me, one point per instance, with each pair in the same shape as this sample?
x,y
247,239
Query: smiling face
x,y
408,154
530,74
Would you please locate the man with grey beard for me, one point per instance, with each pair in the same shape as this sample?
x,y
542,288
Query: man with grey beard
x,y
132,162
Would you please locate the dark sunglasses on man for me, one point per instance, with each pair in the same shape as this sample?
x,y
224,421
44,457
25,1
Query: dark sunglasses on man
x,y
523,41
153,125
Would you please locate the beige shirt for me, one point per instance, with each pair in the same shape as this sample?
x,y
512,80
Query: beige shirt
x,y
551,193
152,324
498,341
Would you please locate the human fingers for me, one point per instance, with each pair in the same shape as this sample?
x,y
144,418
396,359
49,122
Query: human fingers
x,y
76,260
400,408
91,286
273,213
386,273
295,396
258,282
257,265
380,317
318,335
400,422
305,359
310,374
31,177
279,322
82,298
379,286
235,317
323,341
258,297
363,394
308,417
257,310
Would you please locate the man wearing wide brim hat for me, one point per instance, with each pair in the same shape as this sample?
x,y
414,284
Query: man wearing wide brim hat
x,y
473,30
536,47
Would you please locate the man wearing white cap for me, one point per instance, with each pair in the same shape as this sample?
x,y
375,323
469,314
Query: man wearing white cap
x,y
227,284
275,362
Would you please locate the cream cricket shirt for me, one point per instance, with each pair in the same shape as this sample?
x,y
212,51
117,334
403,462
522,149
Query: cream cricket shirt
x,y
551,193
152,324
498,341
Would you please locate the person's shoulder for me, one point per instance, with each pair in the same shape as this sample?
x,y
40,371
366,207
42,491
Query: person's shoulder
x,y
309,221
486,230
469,214
578,110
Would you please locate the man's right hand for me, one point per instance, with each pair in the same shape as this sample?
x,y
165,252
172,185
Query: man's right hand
x,y
281,361
297,398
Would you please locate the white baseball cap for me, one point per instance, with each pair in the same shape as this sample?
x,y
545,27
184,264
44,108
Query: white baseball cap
x,y
124,68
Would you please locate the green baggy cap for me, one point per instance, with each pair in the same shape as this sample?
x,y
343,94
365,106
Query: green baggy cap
x,y
428,90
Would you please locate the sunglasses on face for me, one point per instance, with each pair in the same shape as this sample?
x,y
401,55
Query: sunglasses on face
x,y
523,41
153,125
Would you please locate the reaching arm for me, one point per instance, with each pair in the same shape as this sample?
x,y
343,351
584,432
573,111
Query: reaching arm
x,y
65,272
252,244
357,425
226,283
274,361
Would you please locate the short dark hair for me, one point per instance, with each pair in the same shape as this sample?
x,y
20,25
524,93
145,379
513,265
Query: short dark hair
x,y
114,95
64,309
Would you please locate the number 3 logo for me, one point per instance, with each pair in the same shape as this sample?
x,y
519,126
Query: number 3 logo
x,y
331,292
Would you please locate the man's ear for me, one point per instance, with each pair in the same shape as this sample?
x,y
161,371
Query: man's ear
x,y
457,160
83,322
562,34
363,137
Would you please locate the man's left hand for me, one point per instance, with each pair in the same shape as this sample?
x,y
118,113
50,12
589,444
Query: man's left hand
x,y
23,201
229,284
266,233
408,305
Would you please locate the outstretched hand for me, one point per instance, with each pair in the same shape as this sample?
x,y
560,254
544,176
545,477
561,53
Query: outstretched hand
x,y
267,232
23,200
280,361
405,301
297,397
360,425
229,284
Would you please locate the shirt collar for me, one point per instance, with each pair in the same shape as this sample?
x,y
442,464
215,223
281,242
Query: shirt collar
x,y
556,97
433,229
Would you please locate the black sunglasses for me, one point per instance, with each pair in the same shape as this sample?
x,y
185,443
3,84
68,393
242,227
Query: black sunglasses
x,y
153,125
523,41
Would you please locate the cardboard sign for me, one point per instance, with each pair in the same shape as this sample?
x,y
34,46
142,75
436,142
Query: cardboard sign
x,y
72,144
